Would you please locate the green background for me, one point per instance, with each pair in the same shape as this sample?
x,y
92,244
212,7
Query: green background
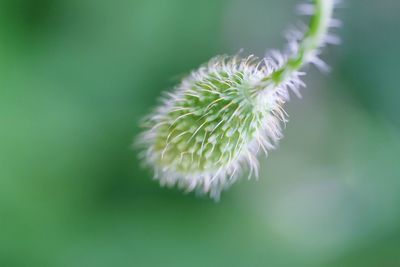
x,y
76,76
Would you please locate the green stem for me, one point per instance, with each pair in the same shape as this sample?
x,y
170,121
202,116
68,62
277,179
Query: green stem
x,y
312,40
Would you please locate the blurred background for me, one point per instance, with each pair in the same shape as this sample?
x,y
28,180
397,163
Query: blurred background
x,y
76,76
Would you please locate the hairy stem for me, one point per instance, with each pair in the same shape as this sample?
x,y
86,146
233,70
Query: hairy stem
x,y
312,40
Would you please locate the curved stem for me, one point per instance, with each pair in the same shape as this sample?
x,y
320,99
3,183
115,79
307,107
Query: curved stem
x,y
313,39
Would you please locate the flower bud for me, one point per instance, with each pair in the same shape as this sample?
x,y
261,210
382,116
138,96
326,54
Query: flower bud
x,y
212,125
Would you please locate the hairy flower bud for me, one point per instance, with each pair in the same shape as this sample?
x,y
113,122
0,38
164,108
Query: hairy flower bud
x,y
214,123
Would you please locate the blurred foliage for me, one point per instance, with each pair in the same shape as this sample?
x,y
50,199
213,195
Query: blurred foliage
x,y
76,76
